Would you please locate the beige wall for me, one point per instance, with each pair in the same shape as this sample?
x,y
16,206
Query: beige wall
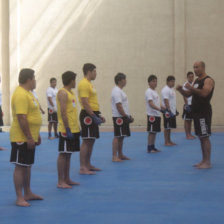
x,y
137,37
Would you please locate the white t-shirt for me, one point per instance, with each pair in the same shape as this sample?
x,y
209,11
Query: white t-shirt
x,y
189,99
52,92
119,96
151,94
169,94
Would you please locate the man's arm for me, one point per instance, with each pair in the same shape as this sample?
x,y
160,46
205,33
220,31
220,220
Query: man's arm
x,y
151,104
121,109
184,93
23,123
205,91
63,98
87,108
50,101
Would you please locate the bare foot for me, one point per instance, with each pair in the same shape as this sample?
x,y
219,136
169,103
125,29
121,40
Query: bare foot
x,y
51,138
70,182
197,164
22,203
116,159
204,166
1,148
85,171
64,186
93,168
123,157
169,144
155,151
32,196
190,137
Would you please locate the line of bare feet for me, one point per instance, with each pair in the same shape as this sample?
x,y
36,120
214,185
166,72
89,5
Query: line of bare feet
x,y
170,143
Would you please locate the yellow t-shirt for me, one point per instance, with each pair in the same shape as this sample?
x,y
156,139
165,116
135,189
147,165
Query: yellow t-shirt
x,y
24,102
71,112
85,89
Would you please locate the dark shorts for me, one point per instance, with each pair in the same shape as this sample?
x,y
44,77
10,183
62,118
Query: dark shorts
x,y
187,116
153,124
202,124
52,116
121,127
90,130
1,120
169,122
69,145
21,155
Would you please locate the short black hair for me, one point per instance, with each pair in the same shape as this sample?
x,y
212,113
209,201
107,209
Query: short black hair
x,y
53,79
152,77
25,74
67,77
190,73
170,78
88,67
120,76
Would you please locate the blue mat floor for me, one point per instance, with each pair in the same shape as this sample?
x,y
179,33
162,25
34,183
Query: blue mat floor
x,y
160,188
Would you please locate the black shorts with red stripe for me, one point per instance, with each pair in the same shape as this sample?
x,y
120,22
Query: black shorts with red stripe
x,y
69,145
153,124
52,116
121,127
90,130
169,122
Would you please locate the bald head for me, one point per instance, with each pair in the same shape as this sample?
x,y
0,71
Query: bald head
x,y
199,68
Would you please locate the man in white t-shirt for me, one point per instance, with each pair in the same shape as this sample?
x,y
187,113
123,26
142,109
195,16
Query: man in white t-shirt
x,y
153,110
169,102
187,110
52,108
121,117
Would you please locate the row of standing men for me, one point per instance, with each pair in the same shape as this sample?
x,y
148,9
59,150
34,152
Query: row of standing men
x,y
24,132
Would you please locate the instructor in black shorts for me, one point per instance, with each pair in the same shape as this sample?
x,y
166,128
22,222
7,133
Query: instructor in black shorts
x,y
201,92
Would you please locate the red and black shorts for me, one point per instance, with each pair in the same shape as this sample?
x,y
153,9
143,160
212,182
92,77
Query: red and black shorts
x,y
187,116
90,130
169,122
153,124
21,155
52,116
121,127
69,145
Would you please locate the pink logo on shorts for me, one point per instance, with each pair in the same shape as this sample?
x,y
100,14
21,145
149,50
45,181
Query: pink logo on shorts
x,y
167,115
51,111
88,120
152,119
119,121
64,135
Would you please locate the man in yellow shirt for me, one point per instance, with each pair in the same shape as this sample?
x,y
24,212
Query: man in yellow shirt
x,y
69,132
90,118
24,135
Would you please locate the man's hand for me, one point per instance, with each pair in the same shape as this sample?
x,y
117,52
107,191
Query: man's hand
x,y
68,133
30,143
97,120
39,140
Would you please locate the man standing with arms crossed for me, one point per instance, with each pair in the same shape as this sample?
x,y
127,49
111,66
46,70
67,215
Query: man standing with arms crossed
x,y
52,108
69,132
201,92
90,118
24,135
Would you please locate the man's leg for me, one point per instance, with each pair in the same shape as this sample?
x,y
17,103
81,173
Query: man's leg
x,y
67,171
61,171
28,194
151,142
120,147
85,154
187,127
19,179
206,153
49,130
55,125
115,146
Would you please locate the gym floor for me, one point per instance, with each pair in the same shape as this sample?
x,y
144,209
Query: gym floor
x,y
160,188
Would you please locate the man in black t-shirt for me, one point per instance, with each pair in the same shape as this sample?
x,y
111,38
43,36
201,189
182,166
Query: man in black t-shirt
x,y
201,92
